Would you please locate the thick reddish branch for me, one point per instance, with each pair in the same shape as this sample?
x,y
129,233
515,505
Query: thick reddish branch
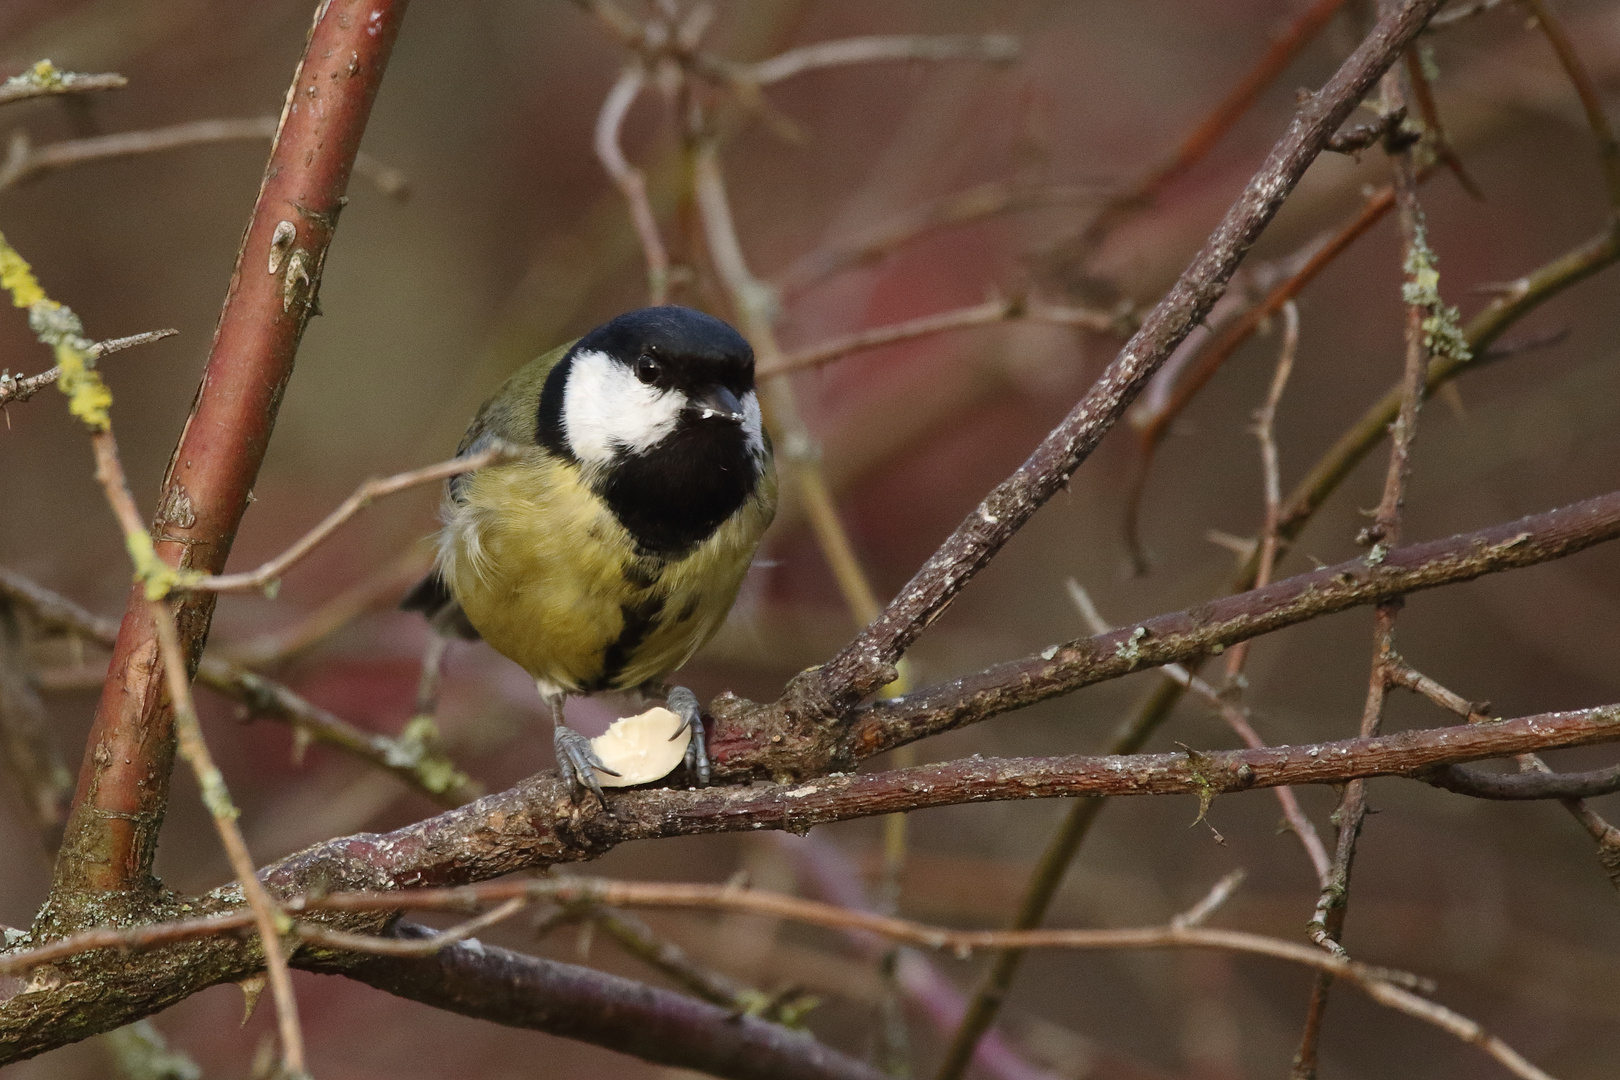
x,y
124,780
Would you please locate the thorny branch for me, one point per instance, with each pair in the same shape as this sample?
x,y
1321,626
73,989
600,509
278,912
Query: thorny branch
x,y
1133,645
867,662
1186,635
1430,327
535,824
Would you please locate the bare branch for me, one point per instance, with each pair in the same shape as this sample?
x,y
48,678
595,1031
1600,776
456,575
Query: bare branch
x,y
110,838
15,388
188,734
985,314
44,80
630,180
994,48
267,574
866,663
414,761
656,1025
1210,628
25,161
1530,785
977,203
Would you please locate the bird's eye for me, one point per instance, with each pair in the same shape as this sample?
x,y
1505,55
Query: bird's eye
x,y
648,369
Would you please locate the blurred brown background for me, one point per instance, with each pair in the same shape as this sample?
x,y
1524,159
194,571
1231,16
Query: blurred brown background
x,y
512,239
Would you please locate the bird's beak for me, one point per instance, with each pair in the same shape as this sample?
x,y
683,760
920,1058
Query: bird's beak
x,y
718,403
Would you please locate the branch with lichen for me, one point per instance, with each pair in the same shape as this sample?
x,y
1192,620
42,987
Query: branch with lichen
x,y
45,79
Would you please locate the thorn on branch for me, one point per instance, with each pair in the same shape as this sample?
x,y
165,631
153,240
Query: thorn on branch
x,y
1356,139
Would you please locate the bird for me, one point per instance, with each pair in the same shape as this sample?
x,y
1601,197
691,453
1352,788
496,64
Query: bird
x,y
610,543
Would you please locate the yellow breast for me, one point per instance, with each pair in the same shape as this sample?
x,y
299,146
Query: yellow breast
x,y
551,579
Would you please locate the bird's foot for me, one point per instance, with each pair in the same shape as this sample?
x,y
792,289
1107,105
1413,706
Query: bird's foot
x,y
577,763
683,703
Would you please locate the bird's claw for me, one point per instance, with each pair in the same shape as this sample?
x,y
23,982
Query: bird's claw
x,y
578,763
683,703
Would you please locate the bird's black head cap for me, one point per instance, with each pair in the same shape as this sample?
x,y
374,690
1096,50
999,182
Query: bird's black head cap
x,y
692,350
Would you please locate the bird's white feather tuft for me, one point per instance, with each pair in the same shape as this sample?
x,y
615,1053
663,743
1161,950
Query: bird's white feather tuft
x,y
607,410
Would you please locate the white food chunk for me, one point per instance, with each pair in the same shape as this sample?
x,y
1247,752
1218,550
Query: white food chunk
x,y
640,749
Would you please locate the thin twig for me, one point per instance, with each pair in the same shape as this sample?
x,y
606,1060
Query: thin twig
x,y
215,796
878,48
1265,419
25,161
1420,291
754,302
43,80
1197,144
1587,90
1429,110
630,180
1393,989
15,388
1461,13
414,760
985,314
1237,718
425,946
977,203
269,572
1154,423
383,586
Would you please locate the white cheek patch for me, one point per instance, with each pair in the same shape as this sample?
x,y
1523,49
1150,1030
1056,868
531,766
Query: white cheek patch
x,y
753,426
607,410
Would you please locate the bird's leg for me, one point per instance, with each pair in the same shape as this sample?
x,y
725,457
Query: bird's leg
x,y
427,687
576,761
683,703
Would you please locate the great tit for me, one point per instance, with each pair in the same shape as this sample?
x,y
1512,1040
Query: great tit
x,y
612,547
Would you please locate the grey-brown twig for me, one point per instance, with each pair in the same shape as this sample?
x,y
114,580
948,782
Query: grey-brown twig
x,y
414,761
878,48
16,388
25,161
269,572
1205,630
866,664
44,79
976,203
630,180
1237,718
1424,308
985,314
1394,989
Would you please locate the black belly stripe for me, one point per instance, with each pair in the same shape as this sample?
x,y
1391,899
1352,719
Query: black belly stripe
x,y
640,618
